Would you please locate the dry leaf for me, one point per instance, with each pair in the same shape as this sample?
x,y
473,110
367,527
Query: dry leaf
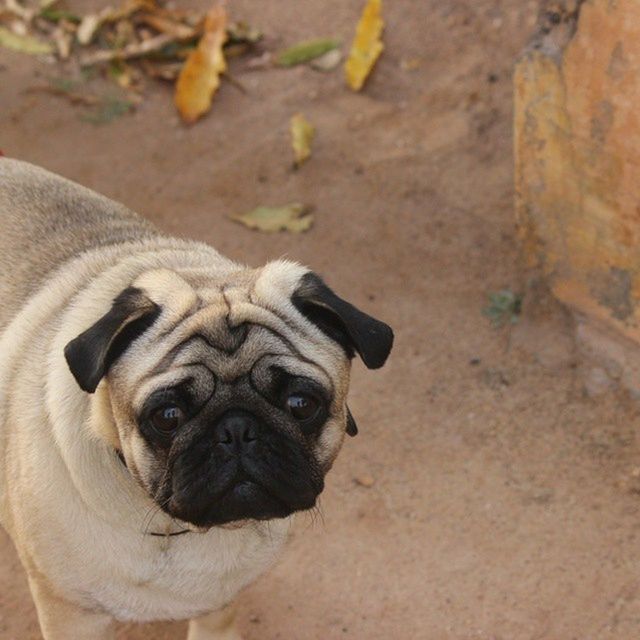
x,y
305,51
90,24
200,76
367,45
293,217
302,135
23,44
165,25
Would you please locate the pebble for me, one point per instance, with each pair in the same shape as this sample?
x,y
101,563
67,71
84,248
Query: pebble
x,y
365,480
328,61
597,382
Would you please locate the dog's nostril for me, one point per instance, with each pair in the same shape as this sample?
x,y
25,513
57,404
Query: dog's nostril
x,y
236,431
249,434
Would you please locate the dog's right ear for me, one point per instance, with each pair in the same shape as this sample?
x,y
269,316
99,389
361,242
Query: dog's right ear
x,y
92,353
344,323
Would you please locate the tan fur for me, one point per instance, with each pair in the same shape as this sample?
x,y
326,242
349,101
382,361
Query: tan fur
x,y
219,624
77,516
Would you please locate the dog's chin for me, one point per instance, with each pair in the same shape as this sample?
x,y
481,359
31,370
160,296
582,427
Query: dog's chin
x,y
246,501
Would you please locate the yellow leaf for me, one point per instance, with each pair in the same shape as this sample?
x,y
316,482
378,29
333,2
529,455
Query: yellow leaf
x,y
200,76
367,45
302,135
293,217
23,44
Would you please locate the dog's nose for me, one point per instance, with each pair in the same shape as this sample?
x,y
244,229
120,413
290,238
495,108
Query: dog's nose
x,y
236,432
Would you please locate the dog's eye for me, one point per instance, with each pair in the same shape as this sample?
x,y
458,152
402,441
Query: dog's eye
x,y
302,406
167,419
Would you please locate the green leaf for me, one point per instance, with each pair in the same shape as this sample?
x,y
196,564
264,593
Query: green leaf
x,y
292,217
23,44
305,51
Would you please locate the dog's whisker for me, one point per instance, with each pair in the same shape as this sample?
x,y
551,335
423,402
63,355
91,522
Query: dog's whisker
x,y
316,515
153,511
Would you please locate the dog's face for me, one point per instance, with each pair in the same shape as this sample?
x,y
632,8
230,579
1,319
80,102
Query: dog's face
x,y
228,397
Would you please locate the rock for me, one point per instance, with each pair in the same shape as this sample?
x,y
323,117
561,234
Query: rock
x,y
597,382
365,480
327,61
577,151
548,340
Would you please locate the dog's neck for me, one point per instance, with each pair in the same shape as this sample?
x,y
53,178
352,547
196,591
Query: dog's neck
x,y
89,452
103,425
153,533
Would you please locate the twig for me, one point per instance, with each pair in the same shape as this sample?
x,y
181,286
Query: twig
x,y
74,98
13,6
235,82
135,50
168,27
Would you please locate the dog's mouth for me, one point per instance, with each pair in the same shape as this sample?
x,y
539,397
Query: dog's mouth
x,y
243,500
210,484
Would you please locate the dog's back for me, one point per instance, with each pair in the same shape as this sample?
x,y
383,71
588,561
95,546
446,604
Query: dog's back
x,y
46,220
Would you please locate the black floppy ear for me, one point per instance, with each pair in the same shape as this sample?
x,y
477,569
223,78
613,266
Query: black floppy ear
x,y
341,321
90,355
352,427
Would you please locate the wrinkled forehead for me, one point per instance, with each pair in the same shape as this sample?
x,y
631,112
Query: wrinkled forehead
x,y
223,332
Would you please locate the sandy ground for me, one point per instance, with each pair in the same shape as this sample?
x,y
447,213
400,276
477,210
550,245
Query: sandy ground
x,y
505,503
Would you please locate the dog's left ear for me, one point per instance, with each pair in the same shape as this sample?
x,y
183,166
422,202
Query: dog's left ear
x,y
353,329
352,427
90,355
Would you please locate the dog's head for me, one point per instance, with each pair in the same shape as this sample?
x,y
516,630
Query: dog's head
x,y
228,397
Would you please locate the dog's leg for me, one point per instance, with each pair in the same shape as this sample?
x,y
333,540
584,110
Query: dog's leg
x,y
219,625
62,620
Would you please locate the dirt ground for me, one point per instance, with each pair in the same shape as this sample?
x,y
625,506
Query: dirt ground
x,y
506,499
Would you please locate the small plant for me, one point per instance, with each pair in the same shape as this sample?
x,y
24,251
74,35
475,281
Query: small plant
x,y
504,307
108,109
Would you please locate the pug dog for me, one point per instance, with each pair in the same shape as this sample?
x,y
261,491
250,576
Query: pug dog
x,y
163,410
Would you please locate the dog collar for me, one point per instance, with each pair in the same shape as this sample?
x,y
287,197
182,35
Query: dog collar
x,y
168,535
